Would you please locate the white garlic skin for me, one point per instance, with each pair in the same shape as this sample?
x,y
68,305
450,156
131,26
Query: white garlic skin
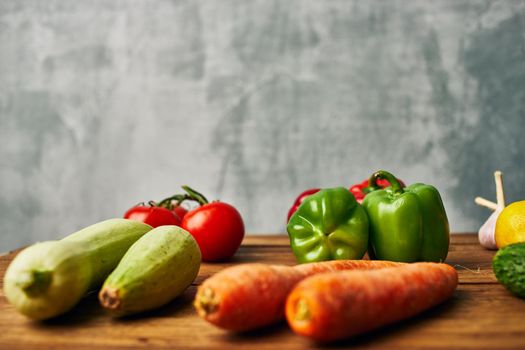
x,y
486,233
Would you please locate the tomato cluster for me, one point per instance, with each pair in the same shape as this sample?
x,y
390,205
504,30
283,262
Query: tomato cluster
x,y
217,227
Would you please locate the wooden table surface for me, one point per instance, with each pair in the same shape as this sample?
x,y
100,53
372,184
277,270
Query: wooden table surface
x,y
481,315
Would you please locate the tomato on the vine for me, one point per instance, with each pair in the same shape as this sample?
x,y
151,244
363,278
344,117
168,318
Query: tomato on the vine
x,y
180,211
217,227
152,215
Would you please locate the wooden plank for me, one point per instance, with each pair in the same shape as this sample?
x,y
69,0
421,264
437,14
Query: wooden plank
x,y
482,315
267,239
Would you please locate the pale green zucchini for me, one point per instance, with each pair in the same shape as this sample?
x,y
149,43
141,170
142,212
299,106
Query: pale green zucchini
x,y
155,270
49,278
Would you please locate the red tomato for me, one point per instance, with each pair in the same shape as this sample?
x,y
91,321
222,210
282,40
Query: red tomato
x,y
180,211
218,229
153,216
360,190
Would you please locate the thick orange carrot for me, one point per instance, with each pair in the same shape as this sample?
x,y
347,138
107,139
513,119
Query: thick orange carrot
x,y
338,305
248,296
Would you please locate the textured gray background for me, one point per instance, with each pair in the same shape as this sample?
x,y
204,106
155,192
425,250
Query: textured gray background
x,y
104,104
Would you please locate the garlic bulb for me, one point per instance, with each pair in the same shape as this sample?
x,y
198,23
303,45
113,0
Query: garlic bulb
x,y
486,233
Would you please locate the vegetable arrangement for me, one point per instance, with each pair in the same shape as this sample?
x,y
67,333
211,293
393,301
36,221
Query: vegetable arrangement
x,y
149,258
154,266
505,230
324,301
509,262
397,223
506,225
217,226
359,191
145,270
250,296
49,278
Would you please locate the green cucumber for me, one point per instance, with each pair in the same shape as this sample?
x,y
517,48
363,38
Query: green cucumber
x,y
155,270
49,278
509,267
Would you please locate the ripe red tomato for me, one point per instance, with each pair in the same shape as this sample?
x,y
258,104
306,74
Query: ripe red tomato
x,y
180,211
152,215
218,229
360,190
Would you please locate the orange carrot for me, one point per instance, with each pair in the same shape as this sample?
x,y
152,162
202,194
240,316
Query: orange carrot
x,y
248,296
338,305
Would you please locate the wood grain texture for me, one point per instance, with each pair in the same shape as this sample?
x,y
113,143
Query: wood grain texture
x,y
481,315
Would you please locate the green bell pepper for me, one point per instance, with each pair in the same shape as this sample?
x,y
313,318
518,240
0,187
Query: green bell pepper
x,y
406,224
328,225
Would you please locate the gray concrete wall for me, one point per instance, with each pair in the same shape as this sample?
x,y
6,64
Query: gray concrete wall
x,y
104,104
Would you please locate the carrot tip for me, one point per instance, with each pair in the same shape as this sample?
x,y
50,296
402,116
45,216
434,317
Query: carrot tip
x,y
302,312
205,302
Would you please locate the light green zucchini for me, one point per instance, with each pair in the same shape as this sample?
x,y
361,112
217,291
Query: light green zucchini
x,y
49,278
155,270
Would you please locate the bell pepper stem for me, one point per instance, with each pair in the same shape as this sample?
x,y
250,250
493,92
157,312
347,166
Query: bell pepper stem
x,y
382,174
